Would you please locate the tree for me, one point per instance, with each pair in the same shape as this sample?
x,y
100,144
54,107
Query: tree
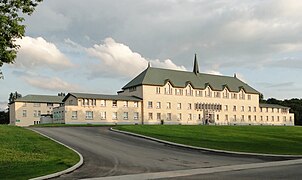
x,y
11,27
13,97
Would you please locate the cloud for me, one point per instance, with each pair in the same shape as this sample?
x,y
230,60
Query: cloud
x,y
213,72
50,83
3,105
38,53
118,59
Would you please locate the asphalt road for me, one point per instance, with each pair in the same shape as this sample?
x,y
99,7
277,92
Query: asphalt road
x,y
109,153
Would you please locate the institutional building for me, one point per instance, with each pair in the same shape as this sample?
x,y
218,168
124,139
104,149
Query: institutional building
x,y
163,96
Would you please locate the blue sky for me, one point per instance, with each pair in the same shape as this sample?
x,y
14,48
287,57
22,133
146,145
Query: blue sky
x,y
98,46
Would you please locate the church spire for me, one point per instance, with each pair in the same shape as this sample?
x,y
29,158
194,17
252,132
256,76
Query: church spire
x,y
195,68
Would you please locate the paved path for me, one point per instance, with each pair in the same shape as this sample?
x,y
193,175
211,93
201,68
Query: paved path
x,y
108,153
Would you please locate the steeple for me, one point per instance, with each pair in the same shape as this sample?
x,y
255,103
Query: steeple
x,y
195,68
149,64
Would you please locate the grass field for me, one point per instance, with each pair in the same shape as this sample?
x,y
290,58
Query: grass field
x,y
256,139
69,125
25,154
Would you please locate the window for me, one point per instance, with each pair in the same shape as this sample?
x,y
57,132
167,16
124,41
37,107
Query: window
x,y
132,89
51,104
135,115
266,110
242,118
178,105
89,115
169,116
168,105
114,115
234,108
266,118
284,118
273,118
255,118
150,116
217,117
125,103
208,92
226,117
35,113
255,109
249,97
189,106
199,93
261,118
103,103
226,107
114,103
158,116
178,92
85,101
261,109
242,108
150,105
103,115
24,113
157,90
189,91
234,96
179,116
249,117
74,115
168,89
225,94
189,116
217,94
241,95
158,105
125,115
135,104
272,109
37,104
234,118
278,118
250,108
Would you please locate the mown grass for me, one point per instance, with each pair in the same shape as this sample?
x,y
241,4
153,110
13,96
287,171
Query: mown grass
x,y
69,125
255,139
25,154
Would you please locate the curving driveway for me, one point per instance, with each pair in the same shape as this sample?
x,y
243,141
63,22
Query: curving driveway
x,y
108,153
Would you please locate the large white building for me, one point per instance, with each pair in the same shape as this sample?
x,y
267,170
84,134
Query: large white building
x,y
163,96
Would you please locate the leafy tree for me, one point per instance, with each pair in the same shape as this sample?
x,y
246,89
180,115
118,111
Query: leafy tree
x,y
11,26
13,97
4,119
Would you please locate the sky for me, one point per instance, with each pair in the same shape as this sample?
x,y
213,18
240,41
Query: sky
x,y
97,46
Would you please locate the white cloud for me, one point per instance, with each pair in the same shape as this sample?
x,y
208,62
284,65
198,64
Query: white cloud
x,y
118,59
213,72
3,105
52,84
38,53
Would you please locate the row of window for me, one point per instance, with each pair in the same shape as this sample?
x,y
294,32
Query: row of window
x,y
36,113
37,104
215,107
208,92
89,115
103,103
235,118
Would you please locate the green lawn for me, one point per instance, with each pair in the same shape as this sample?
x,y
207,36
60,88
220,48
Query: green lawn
x,y
69,125
25,154
256,139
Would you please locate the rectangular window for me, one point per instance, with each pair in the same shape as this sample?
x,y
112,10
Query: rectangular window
x,y
24,113
114,115
135,104
234,96
150,116
114,103
178,105
242,118
89,115
157,90
179,116
103,103
278,118
261,118
150,105
37,104
35,113
189,106
74,115
125,115
242,108
217,117
190,117
226,107
168,105
103,115
249,97
234,118
226,117
255,118
169,116
250,108
249,117
135,116
158,116
132,89
255,109
234,108
50,104
125,103
158,105
266,118
273,118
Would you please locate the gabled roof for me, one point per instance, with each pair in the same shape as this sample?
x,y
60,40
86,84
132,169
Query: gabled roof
x,y
158,77
102,96
263,105
40,99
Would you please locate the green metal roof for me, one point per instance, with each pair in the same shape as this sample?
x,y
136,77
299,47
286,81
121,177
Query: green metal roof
x,y
263,105
159,77
103,97
41,99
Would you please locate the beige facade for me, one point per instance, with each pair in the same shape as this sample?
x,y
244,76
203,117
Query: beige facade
x,y
25,113
99,109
